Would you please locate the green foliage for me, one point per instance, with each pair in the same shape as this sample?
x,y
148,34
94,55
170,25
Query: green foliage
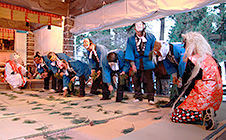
x,y
111,38
29,121
15,119
48,109
128,130
219,51
209,21
66,113
41,128
158,118
133,114
95,122
80,120
8,114
118,112
36,108
2,109
55,112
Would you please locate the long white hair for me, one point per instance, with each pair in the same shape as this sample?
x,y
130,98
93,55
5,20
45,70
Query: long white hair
x,y
196,44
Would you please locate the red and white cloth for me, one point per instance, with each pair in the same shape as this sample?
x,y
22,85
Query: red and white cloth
x,y
208,91
14,74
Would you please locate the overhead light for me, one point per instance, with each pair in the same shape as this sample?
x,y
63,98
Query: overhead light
x,y
49,26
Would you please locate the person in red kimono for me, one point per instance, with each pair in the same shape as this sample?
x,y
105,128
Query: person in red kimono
x,y
202,83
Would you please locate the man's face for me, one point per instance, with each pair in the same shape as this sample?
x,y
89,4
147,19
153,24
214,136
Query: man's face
x,y
139,27
38,60
87,45
62,65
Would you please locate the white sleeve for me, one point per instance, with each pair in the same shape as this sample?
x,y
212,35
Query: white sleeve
x,y
23,69
8,69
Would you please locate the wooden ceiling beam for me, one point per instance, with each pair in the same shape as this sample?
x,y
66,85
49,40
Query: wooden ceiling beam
x,y
56,7
20,25
78,7
12,24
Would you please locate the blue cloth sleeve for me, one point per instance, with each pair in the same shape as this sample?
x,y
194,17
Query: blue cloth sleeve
x,y
129,54
66,81
106,72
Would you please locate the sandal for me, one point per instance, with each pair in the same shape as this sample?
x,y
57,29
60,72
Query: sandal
x,y
209,119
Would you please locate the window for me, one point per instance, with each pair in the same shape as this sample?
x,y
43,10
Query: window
x,y
6,45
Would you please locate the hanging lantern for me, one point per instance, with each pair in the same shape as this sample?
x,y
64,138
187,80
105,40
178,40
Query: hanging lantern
x,y
27,22
49,26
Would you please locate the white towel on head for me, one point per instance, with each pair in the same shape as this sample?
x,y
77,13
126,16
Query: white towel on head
x,y
164,50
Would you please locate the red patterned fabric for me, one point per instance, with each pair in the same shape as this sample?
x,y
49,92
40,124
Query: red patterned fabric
x,y
185,115
208,91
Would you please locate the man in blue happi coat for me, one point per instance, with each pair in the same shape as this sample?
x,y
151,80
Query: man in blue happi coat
x,y
137,52
54,59
171,55
115,66
96,54
72,70
42,63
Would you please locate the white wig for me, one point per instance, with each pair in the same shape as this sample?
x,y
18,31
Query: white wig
x,y
196,44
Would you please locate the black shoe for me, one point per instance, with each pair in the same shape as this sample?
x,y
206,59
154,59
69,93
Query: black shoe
x,y
59,91
81,95
97,93
167,105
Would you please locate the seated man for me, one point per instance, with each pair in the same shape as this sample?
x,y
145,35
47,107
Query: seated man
x,y
115,66
43,69
14,72
71,70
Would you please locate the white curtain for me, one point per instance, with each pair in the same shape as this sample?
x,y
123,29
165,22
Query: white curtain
x,y
126,12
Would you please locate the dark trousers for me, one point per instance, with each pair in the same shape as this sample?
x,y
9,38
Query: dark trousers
x,y
120,91
149,85
46,80
98,83
60,85
82,85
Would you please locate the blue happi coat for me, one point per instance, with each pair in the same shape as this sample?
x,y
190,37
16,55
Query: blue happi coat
x,y
80,68
101,52
132,54
106,69
40,67
53,66
178,52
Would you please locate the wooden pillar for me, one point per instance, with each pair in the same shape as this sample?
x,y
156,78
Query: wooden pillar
x,y
30,50
68,38
162,28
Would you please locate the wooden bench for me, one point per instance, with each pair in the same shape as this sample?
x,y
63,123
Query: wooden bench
x,y
31,84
